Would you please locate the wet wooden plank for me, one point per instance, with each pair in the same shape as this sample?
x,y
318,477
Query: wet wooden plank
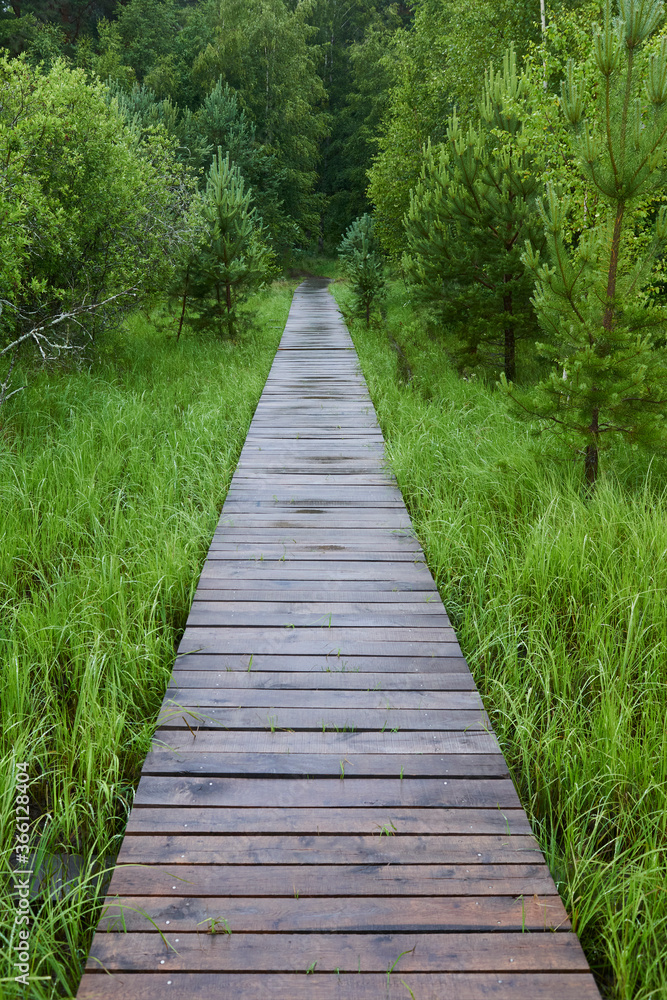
x,y
317,679
414,744
409,641
185,762
379,821
332,880
322,849
247,518
207,613
331,661
501,952
295,793
336,719
427,701
391,571
322,602
361,914
295,552
349,986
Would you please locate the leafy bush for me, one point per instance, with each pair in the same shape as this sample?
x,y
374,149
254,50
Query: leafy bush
x,y
91,207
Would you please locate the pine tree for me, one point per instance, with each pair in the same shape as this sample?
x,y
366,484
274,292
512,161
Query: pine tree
x,y
362,263
593,297
469,215
233,259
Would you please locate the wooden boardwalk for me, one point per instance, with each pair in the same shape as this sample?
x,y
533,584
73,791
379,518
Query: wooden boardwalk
x,y
326,814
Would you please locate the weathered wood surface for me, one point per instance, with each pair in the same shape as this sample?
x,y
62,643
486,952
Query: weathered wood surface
x,y
325,811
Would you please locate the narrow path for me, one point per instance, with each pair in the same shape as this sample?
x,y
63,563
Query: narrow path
x,y
326,813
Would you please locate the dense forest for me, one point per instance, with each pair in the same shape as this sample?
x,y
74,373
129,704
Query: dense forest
x,y
487,183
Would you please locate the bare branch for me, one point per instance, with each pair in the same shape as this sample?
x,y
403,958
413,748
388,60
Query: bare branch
x,y
37,335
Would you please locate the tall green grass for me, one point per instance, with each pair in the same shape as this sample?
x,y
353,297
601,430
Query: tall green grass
x,y
560,603
111,482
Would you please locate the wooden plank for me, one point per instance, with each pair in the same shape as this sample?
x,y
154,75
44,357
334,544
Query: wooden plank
x,y
209,613
394,820
305,448
340,745
357,913
324,478
173,715
357,953
311,551
331,662
271,431
362,536
216,614
349,636
283,589
338,699
220,763
299,793
321,849
352,498
346,986
388,641
334,495
331,880
319,680
313,600
276,641
304,517
392,574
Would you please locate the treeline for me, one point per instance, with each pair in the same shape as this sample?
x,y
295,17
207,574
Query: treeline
x,y
160,146
310,79
523,199
511,154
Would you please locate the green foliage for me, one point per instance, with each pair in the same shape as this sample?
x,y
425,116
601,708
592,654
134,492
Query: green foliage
x,y
89,207
55,27
262,49
233,258
441,60
592,296
361,263
147,30
357,68
469,216
221,122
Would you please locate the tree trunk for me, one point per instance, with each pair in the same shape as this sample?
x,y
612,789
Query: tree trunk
x,y
185,298
228,302
612,273
592,451
510,346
